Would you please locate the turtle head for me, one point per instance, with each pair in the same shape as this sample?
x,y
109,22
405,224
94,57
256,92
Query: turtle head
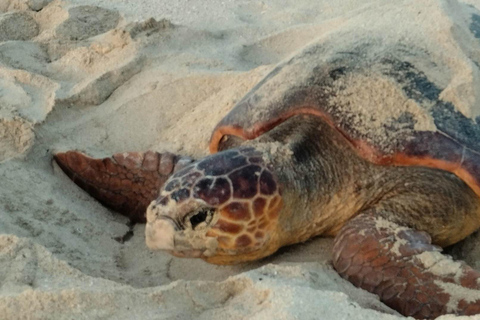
x,y
223,209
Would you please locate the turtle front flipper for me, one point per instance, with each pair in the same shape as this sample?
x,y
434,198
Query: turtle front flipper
x,y
126,182
404,269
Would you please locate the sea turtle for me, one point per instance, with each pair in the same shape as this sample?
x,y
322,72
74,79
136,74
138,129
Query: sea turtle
x,y
351,142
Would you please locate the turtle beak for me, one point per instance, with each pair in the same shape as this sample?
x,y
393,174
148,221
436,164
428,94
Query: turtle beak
x,y
160,230
163,232
160,234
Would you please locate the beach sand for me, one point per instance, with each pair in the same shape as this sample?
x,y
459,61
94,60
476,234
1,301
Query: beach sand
x,y
115,75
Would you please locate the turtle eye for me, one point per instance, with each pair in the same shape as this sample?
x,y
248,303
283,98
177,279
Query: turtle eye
x,y
203,215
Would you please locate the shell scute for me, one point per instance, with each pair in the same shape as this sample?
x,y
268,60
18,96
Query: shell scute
x,y
245,181
212,191
222,163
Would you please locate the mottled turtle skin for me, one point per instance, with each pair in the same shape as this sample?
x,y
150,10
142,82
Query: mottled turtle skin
x,y
297,158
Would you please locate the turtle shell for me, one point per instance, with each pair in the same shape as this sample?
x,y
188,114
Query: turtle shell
x,y
390,101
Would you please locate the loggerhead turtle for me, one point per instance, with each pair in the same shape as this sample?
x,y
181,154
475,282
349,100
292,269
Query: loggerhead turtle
x,y
299,157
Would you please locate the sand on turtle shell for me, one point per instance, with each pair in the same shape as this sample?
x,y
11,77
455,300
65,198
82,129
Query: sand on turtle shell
x,y
111,76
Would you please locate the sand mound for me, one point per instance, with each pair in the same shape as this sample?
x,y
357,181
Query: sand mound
x,y
105,77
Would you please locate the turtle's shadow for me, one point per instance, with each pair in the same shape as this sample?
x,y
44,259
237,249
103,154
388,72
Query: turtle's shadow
x,y
467,250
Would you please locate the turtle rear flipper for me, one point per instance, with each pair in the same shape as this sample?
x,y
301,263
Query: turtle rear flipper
x,y
404,269
126,182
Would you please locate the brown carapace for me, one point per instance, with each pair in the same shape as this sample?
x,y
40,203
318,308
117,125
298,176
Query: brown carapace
x,y
297,157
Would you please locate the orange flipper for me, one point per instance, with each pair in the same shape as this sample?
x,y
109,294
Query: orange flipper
x,y
404,269
126,182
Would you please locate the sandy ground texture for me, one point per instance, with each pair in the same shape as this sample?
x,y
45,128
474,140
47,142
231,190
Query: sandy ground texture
x,y
158,75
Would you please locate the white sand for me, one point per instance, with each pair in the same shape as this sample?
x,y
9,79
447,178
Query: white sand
x,y
111,80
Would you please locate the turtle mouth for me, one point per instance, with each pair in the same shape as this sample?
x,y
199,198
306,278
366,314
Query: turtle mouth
x,y
183,237
163,234
160,234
